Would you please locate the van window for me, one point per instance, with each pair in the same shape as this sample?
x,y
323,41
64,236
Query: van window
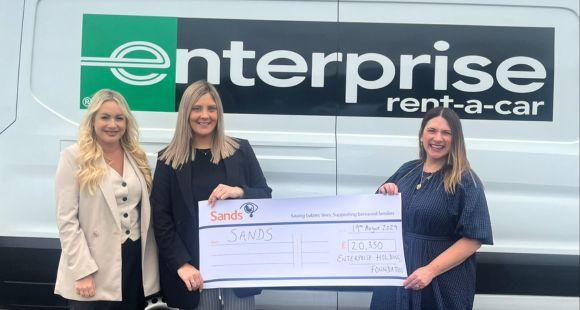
x,y
10,31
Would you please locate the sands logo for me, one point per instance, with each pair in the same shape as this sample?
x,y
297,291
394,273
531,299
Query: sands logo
x,y
249,208
226,216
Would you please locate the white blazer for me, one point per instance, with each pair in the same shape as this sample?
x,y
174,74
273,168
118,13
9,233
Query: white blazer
x,y
90,234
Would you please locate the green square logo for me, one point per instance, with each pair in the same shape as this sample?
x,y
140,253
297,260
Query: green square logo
x,y
134,55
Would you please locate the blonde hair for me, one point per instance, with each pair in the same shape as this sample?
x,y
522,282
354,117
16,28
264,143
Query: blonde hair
x,y
182,146
90,159
457,162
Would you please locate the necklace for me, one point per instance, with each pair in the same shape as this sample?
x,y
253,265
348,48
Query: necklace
x,y
110,157
424,178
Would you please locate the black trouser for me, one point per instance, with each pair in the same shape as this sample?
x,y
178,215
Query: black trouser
x,y
132,283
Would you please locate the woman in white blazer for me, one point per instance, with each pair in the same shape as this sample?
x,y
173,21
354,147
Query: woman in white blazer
x,y
109,254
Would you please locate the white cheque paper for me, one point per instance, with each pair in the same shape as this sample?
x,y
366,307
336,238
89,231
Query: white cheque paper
x,y
325,241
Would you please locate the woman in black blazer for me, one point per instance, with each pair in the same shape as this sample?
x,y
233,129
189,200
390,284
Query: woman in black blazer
x,y
200,163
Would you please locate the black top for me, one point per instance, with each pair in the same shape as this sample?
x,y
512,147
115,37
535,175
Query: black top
x,y
206,176
175,217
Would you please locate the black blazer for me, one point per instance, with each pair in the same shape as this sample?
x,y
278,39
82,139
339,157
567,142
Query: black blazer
x,y
175,218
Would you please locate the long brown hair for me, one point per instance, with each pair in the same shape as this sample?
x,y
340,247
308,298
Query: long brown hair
x,y
181,148
457,162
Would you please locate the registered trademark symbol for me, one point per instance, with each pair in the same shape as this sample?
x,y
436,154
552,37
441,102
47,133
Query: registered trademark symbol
x,y
86,101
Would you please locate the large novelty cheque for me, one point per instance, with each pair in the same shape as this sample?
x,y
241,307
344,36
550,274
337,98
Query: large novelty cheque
x,y
324,241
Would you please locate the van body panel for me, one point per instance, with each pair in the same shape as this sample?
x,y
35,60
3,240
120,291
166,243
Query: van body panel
x,y
330,139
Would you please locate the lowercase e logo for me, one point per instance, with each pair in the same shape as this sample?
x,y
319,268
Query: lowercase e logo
x,y
134,55
118,62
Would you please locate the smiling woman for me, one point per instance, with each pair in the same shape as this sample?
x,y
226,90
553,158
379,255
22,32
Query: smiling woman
x,y
203,120
200,163
445,220
110,123
103,212
436,139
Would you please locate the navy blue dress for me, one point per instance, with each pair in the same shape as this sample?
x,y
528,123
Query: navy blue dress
x,y
432,222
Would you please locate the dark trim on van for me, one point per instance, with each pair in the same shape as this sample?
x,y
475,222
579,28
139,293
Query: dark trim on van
x,y
528,274
28,272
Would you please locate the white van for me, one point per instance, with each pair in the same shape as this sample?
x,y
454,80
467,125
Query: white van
x,y
330,94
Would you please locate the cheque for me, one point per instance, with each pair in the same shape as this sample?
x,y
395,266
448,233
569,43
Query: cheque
x,y
323,241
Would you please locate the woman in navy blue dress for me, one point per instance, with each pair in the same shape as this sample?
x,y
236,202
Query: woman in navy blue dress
x,y
445,220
